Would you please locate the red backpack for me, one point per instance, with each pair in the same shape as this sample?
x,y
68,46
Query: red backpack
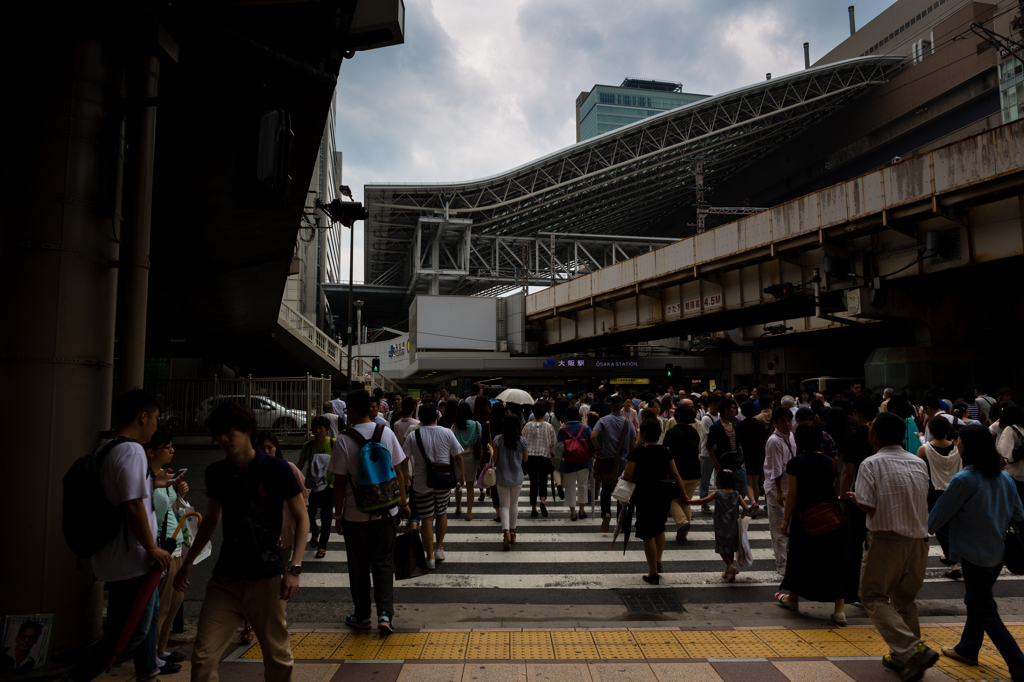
x,y
576,450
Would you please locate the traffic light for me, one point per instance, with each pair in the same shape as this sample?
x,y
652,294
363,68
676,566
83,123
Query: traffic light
x,y
779,290
668,370
777,329
344,212
376,364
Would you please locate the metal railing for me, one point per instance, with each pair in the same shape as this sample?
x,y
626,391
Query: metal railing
x,y
292,319
284,405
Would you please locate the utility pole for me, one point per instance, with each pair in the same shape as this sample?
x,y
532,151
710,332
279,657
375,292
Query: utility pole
x,y
351,252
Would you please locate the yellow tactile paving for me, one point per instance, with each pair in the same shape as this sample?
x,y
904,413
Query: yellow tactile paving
x,y
543,651
571,638
575,652
610,644
488,651
399,651
477,639
404,638
671,649
621,637
448,638
530,639
821,635
619,651
442,651
708,650
696,637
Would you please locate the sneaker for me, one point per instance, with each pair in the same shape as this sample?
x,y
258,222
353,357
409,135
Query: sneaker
x,y
361,623
705,509
889,663
606,524
839,618
755,511
543,510
173,657
438,555
922,660
384,623
952,653
431,564
682,533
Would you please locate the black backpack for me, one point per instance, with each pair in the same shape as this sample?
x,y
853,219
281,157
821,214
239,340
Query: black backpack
x,y
89,520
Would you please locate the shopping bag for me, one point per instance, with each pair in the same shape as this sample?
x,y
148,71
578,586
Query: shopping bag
x,y
623,491
189,531
410,561
744,557
483,472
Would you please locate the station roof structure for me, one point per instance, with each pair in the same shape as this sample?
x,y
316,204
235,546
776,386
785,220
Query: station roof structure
x,y
620,183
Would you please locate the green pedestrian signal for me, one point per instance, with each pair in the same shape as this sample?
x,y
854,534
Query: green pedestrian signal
x,y
376,364
668,370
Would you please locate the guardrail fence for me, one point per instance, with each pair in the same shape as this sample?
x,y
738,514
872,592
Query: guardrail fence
x,y
283,405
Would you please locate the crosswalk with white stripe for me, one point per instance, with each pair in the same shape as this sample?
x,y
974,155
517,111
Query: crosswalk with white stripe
x,y
554,559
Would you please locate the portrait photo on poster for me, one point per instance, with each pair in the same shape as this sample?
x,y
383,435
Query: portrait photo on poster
x,y
26,642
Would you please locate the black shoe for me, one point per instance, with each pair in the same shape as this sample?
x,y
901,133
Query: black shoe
x,y
170,668
954,574
175,657
660,569
543,510
481,496
652,579
533,513
924,659
946,560
561,493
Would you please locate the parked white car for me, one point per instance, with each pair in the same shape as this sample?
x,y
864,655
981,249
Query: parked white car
x,y
269,414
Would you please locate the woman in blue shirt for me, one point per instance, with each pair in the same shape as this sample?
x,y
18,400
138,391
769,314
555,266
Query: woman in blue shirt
x,y
978,505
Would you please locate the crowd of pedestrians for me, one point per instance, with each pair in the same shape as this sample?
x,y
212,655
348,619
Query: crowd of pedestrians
x,y
852,485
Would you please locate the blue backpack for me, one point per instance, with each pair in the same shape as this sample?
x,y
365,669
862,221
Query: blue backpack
x,y
376,485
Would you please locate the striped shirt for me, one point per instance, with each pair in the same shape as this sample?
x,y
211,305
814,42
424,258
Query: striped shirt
x,y
777,452
895,483
540,438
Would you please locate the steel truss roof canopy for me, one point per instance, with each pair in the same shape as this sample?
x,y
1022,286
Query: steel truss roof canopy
x,y
620,183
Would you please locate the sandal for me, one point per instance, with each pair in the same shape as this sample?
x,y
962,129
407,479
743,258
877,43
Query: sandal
x,y
732,573
780,597
247,635
321,553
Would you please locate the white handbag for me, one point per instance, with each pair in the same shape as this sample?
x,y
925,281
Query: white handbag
x,y
623,491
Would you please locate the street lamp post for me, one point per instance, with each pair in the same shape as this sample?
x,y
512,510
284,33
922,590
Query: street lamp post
x,y
359,331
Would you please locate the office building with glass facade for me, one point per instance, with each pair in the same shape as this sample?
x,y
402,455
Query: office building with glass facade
x,y
607,107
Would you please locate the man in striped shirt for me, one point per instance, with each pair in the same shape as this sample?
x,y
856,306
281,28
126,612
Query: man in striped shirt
x,y
892,489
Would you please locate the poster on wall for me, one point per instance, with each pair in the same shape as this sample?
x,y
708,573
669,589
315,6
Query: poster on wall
x,y
26,642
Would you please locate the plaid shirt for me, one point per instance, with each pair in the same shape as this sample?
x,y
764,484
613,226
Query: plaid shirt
x,y
540,438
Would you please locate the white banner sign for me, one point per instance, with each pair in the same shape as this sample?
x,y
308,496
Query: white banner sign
x,y
710,301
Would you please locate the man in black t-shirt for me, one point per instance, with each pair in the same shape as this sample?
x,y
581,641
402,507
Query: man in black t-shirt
x,y
254,576
683,440
601,407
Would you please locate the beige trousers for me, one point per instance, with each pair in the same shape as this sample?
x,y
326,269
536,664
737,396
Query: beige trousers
x,y
780,543
891,575
683,515
227,602
170,602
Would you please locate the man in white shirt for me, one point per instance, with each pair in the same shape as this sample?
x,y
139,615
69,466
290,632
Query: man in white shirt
x,y
780,448
339,407
369,538
375,412
984,402
125,561
892,489
707,465
442,449
328,408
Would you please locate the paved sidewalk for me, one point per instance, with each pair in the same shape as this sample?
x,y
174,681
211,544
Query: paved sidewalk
x,y
727,654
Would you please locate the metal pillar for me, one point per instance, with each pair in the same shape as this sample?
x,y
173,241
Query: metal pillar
x,y
351,278
134,265
60,341
359,331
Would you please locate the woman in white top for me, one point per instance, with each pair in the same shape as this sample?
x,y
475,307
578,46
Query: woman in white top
x,y
943,460
1011,418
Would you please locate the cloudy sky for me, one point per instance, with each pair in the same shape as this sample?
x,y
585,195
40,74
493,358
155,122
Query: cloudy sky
x,y
482,86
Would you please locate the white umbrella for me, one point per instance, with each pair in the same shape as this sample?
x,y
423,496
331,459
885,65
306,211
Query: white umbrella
x,y
514,395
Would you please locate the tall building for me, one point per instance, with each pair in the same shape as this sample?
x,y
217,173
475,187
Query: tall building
x,y
607,107
317,257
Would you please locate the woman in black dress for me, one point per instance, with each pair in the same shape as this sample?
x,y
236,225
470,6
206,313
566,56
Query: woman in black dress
x,y
753,434
651,466
818,567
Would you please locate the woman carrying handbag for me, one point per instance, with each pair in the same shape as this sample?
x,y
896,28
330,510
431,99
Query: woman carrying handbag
x,y
509,452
